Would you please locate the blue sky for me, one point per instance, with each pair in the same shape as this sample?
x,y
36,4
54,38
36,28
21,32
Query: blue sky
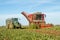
x,y
13,8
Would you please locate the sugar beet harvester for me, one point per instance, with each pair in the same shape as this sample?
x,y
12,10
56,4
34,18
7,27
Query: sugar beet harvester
x,y
37,18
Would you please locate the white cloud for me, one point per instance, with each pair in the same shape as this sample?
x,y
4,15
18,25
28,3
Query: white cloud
x,y
53,17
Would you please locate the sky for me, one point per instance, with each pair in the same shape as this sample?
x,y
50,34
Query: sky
x,y
13,9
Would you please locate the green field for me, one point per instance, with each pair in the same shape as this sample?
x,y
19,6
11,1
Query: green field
x,y
30,34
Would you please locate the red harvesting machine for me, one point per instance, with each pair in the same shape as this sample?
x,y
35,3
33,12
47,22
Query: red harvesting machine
x,y
37,18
